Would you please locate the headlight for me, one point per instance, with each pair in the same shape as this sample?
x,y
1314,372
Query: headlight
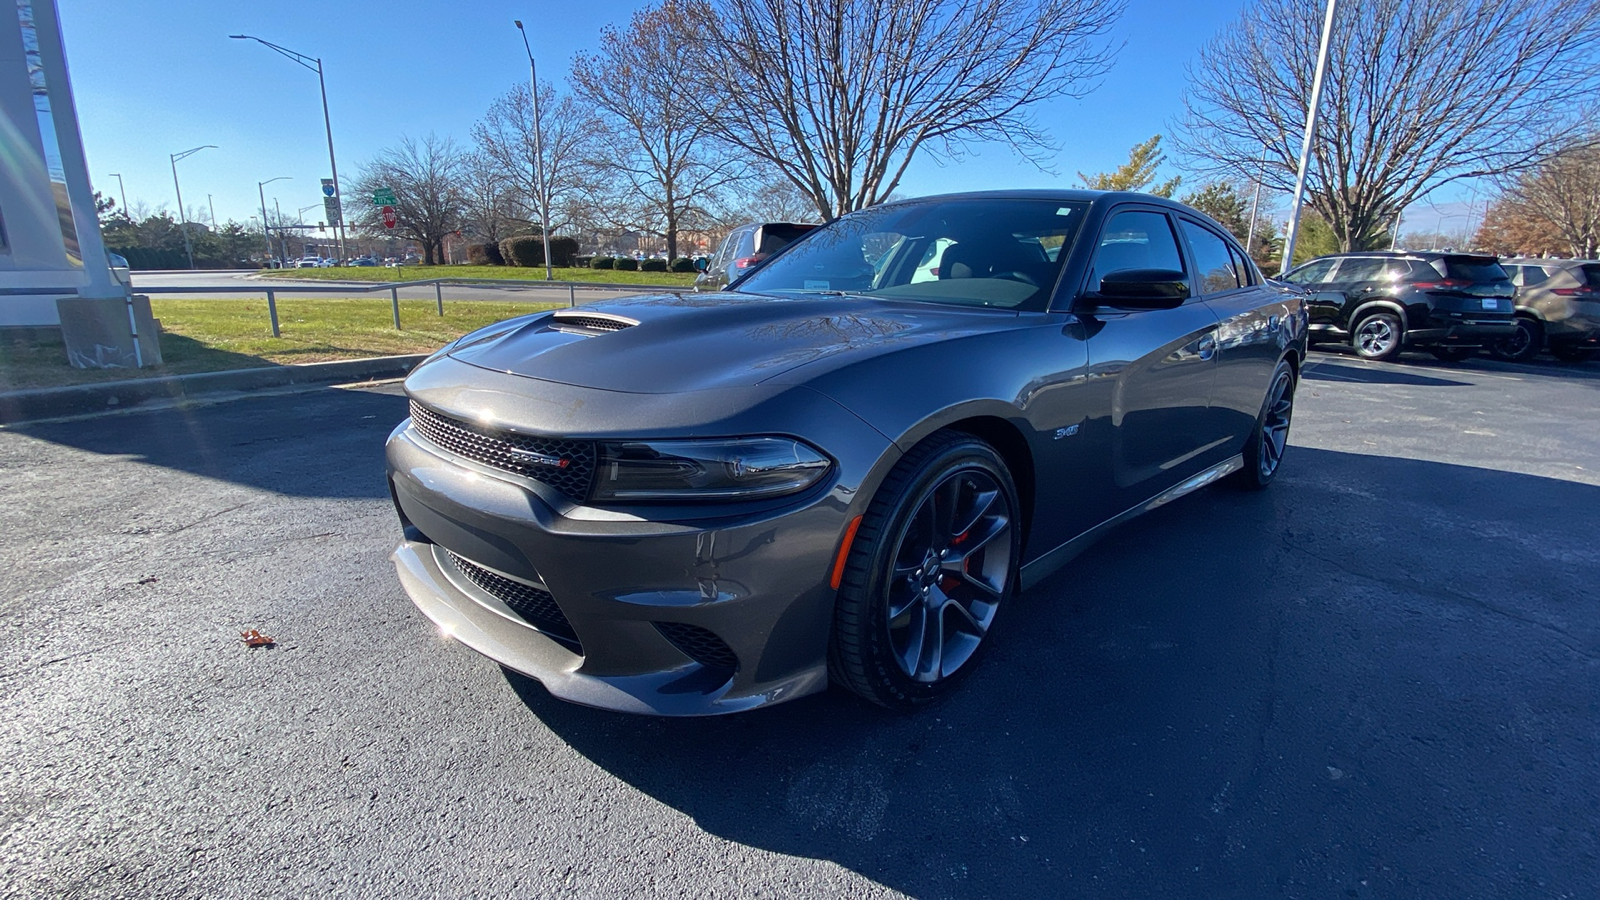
x,y
725,469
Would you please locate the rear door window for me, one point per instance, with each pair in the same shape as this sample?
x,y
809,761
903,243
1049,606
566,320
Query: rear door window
x,y
1242,266
1532,275
1357,268
1212,261
1591,277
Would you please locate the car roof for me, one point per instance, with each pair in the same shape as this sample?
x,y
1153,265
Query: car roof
x,y
1402,254
1077,194
1545,261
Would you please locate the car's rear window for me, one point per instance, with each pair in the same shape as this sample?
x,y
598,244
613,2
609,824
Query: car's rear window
x,y
778,235
1591,276
1477,270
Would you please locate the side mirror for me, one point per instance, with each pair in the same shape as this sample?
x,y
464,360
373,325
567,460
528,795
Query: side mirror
x,y
1144,289
701,264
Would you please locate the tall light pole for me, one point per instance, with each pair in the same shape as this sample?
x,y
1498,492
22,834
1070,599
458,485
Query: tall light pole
x,y
314,65
124,194
538,153
183,219
212,205
265,232
1305,145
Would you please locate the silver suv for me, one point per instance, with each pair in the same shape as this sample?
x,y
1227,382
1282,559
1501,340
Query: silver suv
x,y
1558,309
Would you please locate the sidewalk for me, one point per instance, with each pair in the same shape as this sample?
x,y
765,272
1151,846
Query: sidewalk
x,y
50,403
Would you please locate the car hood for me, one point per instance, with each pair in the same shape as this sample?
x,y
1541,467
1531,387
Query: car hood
x,y
684,342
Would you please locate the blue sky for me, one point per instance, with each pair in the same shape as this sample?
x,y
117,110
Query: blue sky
x,y
154,77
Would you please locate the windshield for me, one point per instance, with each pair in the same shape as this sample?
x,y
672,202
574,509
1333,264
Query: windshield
x,y
963,252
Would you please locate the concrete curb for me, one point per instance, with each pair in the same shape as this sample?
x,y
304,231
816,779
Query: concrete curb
x,y
50,403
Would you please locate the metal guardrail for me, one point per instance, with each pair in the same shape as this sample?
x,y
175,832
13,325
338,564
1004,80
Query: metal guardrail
x,y
393,287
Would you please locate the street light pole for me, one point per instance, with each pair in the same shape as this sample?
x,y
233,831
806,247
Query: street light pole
x,y
124,194
183,219
1305,145
212,205
327,122
266,234
538,152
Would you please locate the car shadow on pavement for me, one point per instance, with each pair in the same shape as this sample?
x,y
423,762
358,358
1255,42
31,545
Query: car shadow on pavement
x,y
1326,370
1376,678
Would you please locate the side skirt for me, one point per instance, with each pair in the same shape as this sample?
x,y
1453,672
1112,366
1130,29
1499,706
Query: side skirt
x,y
1041,568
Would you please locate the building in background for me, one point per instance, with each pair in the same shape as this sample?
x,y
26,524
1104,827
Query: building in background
x,y
50,245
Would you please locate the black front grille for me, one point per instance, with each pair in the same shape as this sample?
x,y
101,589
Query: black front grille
x,y
699,645
536,607
593,323
566,465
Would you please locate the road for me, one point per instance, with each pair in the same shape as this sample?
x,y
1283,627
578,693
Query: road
x,y
1377,679
196,284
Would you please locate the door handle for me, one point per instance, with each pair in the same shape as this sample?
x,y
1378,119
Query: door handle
x,y
1207,347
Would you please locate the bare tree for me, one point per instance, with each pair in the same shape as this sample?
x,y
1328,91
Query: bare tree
x,y
489,207
1563,195
426,179
840,95
505,134
657,146
1418,94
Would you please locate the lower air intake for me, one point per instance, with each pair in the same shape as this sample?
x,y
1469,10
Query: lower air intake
x,y
699,645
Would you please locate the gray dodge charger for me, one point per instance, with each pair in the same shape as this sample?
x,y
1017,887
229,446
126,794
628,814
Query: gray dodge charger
x,y
844,468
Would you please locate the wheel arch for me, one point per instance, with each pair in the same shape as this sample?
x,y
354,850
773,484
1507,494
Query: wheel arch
x,y
988,424
1385,303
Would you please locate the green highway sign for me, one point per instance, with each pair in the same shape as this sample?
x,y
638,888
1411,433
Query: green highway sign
x,y
383,197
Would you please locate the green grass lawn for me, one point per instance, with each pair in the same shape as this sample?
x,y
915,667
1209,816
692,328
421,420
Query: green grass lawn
x,y
505,273
215,335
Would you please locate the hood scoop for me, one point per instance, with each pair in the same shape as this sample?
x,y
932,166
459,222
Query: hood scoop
x,y
580,322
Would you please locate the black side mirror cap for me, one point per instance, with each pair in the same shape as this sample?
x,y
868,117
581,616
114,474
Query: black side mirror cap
x,y
702,264
1143,289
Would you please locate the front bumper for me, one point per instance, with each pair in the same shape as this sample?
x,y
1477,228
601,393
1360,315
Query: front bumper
x,y
627,585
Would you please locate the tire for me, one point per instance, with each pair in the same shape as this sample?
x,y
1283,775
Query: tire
x,y
1522,346
1453,354
1263,451
1378,336
890,597
1572,354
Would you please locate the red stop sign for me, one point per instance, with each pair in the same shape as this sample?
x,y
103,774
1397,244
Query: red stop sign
x,y
389,218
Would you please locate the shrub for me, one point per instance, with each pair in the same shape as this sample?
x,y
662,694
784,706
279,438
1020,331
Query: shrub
x,y
653,265
563,251
485,255
525,250
602,262
627,264
683,264
581,262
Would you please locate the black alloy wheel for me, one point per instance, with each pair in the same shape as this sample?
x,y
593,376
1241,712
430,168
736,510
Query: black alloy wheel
x,y
1378,336
1263,452
934,558
1521,345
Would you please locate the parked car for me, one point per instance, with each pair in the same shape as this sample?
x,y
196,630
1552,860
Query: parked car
x,y
695,504
1384,302
744,248
363,261
119,269
1558,308
309,262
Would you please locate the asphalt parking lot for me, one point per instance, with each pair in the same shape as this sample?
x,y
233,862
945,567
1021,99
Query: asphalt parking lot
x,y
1381,678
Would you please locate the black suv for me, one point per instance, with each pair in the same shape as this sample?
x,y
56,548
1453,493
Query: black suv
x,y
1383,302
